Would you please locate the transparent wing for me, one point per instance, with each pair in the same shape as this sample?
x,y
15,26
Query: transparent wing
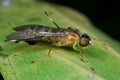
x,y
34,32
26,26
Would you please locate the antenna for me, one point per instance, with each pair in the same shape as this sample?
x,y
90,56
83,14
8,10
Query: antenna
x,y
52,20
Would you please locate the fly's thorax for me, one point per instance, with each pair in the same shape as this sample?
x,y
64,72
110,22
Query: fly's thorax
x,y
71,37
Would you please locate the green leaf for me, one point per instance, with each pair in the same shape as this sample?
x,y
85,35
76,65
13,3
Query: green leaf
x,y
64,63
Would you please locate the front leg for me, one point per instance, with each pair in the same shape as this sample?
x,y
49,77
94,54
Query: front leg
x,y
83,59
76,49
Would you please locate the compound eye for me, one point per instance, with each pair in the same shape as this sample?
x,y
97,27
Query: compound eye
x,y
84,42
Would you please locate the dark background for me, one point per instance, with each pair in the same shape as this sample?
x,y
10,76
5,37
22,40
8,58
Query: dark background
x,y
104,14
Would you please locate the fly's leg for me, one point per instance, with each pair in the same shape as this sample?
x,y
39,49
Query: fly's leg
x,y
49,55
55,44
76,49
82,57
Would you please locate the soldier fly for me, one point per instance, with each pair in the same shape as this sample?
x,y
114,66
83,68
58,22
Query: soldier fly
x,y
57,36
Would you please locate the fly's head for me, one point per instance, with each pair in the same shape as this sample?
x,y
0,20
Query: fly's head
x,y
85,40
